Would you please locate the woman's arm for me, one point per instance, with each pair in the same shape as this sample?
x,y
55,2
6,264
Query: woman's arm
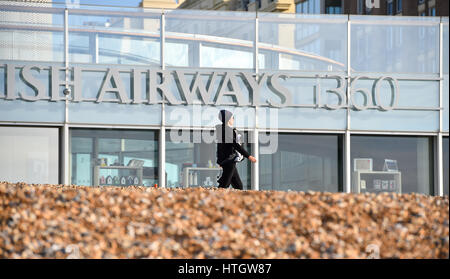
x,y
239,147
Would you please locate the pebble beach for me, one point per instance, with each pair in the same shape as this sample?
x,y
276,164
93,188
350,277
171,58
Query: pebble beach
x,y
57,221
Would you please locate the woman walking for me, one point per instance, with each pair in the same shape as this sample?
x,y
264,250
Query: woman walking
x,y
229,151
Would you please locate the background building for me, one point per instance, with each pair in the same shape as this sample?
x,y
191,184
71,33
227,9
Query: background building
x,y
161,4
223,5
386,7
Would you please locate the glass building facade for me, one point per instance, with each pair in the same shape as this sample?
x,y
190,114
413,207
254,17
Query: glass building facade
x,y
332,103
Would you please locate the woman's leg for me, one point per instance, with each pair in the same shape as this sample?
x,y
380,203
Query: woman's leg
x,y
236,180
227,175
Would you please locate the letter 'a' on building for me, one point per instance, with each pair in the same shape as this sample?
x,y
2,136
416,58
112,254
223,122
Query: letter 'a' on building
x,y
330,103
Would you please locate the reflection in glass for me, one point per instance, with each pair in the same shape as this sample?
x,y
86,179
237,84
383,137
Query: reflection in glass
x,y
213,56
113,49
31,42
128,50
114,157
395,48
191,159
413,158
210,38
308,46
32,46
302,163
116,40
183,56
82,47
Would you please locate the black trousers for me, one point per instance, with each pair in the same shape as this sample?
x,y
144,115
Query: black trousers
x,y
229,176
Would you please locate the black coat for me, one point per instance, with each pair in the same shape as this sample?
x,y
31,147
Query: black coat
x,y
227,144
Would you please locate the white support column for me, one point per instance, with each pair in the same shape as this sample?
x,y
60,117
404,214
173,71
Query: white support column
x,y
440,166
162,131
254,133
65,137
440,163
347,145
347,162
66,155
162,157
255,166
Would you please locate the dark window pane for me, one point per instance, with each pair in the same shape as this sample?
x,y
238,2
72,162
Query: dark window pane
x,y
445,158
301,163
114,157
411,156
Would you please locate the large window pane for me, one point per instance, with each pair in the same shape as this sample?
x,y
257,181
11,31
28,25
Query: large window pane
x,y
29,155
112,39
26,42
191,159
208,37
395,164
114,157
395,47
301,163
445,157
299,42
